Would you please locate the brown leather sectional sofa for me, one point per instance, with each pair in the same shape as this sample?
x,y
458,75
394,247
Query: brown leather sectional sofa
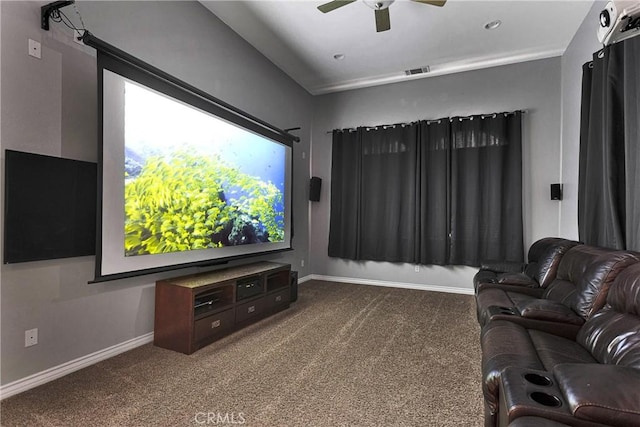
x,y
567,353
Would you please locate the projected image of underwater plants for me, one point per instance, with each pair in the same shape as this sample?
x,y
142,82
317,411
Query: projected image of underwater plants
x,y
209,184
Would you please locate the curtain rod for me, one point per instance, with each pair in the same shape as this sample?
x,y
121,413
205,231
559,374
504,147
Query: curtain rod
x,y
451,119
104,47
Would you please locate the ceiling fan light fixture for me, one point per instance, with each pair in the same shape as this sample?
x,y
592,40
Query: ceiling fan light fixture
x,y
492,25
378,4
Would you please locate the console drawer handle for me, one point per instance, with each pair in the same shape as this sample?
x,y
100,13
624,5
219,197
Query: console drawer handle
x,y
279,298
215,324
251,309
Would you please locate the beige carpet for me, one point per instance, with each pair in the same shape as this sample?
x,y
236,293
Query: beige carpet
x,y
343,355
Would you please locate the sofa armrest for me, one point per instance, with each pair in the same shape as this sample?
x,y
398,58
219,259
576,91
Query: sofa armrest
x,y
544,309
601,393
502,266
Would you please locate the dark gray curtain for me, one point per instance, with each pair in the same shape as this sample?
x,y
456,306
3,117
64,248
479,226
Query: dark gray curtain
x,y
388,194
433,192
373,194
438,192
344,235
486,189
632,141
608,200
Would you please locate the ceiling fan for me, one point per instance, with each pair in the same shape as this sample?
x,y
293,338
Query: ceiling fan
x,y
381,8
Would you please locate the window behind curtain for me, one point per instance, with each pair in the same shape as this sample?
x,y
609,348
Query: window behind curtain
x,y
439,192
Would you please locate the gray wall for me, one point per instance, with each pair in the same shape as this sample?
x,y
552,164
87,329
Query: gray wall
x,y
580,50
531,86
49,107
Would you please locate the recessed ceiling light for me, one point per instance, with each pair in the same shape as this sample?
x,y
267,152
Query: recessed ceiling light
x,y
338,56
492,25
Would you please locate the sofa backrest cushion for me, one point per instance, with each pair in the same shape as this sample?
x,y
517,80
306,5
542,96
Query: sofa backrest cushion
x,y
613,334
585,275
544,258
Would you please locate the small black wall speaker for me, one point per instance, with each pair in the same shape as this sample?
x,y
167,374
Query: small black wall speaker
x,y
294,285
556,191
314,188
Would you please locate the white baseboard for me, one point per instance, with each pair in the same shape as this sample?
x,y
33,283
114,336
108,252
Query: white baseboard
x,y
305,278
404,285
56,372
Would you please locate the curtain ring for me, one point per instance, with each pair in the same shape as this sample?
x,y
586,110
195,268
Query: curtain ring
x,y
601,54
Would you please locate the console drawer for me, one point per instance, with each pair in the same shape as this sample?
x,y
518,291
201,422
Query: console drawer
x,y
211,326
278,299
250,309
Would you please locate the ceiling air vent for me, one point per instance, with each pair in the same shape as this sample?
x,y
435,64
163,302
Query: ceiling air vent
x,y
415,71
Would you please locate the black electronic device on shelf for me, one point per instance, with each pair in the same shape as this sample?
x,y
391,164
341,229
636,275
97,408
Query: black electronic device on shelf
x,y
248,288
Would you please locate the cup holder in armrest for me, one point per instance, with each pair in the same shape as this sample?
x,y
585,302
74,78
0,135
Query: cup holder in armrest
x,y
546,399
537,379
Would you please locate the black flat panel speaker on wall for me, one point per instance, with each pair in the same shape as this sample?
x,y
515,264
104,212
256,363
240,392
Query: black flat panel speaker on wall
x,y
556,191
315,184
49,207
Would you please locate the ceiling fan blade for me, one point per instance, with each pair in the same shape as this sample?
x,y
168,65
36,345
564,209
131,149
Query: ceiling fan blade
x,y
438,3
382,20
332,5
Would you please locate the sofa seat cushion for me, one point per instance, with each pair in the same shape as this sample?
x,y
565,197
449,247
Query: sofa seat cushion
x,y
553,350
504,344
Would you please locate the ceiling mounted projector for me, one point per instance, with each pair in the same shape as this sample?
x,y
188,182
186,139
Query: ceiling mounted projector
x,y
619,20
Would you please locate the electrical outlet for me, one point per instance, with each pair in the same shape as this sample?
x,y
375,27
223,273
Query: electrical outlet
x,y
35,49
416,268
302,263
31,337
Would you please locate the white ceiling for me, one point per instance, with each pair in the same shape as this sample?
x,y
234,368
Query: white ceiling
x,y
302,41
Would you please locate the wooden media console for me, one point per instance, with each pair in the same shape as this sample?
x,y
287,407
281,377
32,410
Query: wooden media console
x,y
193,311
